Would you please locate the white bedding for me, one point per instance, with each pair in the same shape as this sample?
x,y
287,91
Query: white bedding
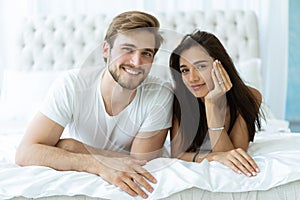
x,y
24,86
277,154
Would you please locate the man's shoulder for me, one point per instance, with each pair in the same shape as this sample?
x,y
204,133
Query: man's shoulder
x,y
82,77
83,72
153,84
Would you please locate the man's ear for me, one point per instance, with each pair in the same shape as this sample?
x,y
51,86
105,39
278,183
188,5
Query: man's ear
x,y
105,49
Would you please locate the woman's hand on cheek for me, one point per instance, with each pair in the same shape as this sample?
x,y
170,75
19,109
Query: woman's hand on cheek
x,y
221,77
221,82
217,89
216,101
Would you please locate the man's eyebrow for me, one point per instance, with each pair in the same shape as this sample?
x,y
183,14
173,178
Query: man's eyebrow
x,y
128,45
133,46
151,50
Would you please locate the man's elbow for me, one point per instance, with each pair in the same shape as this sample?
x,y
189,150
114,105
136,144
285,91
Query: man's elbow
x,y
20,156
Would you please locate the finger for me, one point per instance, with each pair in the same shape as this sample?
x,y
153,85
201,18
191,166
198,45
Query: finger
x,y
249,160
233,166
222,71
244,159
213,75
140,170
241,163
140,180
134,187
218,75
123,186
240,167
217,70
225,76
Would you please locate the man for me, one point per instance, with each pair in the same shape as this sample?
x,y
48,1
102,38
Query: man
x,y
108,112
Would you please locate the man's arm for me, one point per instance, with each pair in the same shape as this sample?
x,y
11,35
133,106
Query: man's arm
x,y
38,147
38,143
148,145
76,146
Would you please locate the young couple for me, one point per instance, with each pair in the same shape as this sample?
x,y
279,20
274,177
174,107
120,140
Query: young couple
x,y
119,116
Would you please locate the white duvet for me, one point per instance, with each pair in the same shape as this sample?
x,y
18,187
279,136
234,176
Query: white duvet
x,y
277,154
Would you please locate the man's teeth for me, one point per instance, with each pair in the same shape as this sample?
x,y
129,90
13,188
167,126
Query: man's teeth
x,y
131,71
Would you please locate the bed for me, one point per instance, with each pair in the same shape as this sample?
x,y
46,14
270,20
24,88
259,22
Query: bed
x,y
49,45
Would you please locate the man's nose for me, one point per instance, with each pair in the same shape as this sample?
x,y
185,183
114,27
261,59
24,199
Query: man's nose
x,y
136,59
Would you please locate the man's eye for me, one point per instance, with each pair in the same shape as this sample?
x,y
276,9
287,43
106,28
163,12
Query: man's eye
x,y
127,49
148,54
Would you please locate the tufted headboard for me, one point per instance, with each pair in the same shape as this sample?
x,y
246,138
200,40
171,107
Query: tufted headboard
x,y
50,44
63,42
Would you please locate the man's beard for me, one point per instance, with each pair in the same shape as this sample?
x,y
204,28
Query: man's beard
x,y
127,85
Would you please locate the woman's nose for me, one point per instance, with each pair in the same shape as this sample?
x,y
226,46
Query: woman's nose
x,y
194,74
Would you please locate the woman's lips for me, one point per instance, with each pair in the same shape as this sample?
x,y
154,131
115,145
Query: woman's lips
x,y
197,87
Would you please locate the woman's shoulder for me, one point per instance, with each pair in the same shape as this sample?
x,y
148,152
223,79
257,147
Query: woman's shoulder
x,y
257,95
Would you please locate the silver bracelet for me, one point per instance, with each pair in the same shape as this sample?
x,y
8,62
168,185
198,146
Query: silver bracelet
x,y
216,129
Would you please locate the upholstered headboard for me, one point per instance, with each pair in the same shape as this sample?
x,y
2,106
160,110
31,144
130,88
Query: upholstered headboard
x,y
50,44
62,42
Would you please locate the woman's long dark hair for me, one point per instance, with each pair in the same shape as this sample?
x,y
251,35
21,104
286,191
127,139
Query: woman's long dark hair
x,y
190,111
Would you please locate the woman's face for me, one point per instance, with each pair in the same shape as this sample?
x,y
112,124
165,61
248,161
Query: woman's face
x,y
195,67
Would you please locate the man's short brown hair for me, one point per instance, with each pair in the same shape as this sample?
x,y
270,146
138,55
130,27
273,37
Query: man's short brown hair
x,y
131,20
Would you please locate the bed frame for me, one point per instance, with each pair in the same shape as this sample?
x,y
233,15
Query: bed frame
x,y
283,192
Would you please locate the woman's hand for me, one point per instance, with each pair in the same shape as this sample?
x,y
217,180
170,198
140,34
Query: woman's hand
x,y
221,80
238,160
215,100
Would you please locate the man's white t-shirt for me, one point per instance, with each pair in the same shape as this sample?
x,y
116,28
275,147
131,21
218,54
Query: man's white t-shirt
x,y
75,100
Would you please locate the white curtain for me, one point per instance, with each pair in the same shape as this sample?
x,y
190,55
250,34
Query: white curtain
x,y
272,19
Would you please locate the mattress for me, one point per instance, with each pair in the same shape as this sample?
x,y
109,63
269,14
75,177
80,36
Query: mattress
x,y
276,153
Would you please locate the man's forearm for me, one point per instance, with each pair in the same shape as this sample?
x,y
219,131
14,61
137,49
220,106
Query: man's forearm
x,y
59,159
75,146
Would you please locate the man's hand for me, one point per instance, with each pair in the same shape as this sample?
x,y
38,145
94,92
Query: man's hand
x,y
118,169
127,174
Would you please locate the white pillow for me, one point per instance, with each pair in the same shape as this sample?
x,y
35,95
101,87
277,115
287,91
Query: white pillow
x,y
250,72
23,92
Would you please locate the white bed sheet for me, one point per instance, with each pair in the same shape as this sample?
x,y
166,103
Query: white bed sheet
x,y
277,154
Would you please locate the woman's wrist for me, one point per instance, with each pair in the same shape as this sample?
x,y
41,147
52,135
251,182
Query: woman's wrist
x,y
216,128
195,156
200,155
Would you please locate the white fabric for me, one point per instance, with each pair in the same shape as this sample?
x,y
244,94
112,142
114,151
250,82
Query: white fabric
x,y
250,72
76,99
23,92
277,155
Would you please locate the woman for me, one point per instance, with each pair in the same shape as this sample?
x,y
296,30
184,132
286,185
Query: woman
x,y
215,113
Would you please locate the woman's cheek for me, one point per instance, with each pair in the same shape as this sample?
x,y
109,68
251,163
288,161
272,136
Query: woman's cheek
x,y
206,75
210,84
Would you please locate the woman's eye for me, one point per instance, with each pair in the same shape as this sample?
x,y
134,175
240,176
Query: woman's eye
x,y
184,71
199,67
